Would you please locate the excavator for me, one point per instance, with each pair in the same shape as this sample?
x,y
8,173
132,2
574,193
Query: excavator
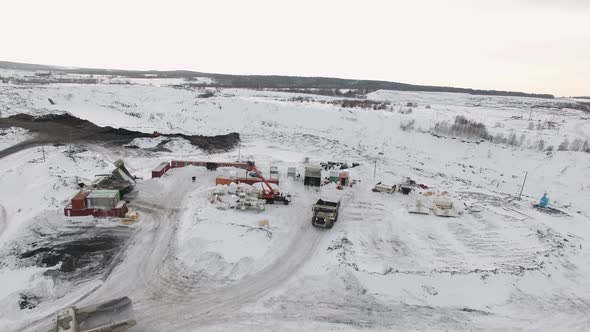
x,y
269,194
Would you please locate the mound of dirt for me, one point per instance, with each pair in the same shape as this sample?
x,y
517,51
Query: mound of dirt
x,y
59,128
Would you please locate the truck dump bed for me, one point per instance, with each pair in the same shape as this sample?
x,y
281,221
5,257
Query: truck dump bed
x,y
326,204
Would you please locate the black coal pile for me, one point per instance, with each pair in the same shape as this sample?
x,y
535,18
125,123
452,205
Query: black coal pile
x,y
60,128
81,253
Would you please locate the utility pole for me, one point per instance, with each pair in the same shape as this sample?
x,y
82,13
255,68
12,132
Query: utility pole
x,y
43,150
239,150
523,182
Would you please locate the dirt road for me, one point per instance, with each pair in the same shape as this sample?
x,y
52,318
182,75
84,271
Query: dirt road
x,y
149,275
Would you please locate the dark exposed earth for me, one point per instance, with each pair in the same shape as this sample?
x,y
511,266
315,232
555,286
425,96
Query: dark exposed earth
x,y
65,128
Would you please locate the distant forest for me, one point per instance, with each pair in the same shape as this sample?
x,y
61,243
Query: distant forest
x,y
271,81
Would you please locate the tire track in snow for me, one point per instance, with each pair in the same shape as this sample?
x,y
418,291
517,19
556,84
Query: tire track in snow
x,y
195,305
150,277
198,306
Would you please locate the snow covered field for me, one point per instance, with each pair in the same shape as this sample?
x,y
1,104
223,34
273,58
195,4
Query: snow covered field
x,y
188,265
12,136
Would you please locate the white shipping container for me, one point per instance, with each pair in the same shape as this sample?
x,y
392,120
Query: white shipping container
x,y
101,199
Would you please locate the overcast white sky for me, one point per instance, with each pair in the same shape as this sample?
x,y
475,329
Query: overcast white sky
x,y
526,45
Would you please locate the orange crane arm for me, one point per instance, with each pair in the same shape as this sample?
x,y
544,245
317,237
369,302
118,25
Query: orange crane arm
x,y
262,178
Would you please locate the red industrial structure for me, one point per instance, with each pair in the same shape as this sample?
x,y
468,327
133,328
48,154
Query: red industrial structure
x,y
343,179
224,180
213,165
164,167
268,193
105,203
159,171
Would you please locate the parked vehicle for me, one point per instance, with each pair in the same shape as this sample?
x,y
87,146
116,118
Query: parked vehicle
x,y
269,194
384,188
74,319
325,213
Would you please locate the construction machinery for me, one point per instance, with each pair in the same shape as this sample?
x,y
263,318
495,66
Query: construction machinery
x,y
120,179
94,318
325,213
269,194
406,186
405,189
384,188
131,217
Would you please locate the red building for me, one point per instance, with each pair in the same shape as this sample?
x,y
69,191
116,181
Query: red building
x,y
97,203
159,171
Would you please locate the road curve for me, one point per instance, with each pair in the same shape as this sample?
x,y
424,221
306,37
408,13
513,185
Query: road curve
x,y
155,286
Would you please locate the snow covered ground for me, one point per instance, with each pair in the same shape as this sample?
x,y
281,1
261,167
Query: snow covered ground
x,y
188,265
12,136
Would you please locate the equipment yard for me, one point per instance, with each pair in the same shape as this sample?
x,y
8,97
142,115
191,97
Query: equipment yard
x,y
420,228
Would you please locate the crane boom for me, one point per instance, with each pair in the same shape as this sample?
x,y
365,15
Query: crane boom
x,y
259,174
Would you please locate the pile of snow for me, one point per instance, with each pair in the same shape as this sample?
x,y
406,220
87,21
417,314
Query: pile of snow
x,y
147,142
212,242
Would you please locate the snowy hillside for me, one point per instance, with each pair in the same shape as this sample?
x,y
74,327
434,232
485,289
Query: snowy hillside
x,y
190,265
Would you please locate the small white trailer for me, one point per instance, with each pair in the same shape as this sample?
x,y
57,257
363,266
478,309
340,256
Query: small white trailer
x,y
384,188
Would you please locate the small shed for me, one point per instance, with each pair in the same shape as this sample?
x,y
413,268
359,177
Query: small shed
x,y
313,176
334,176
343,179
